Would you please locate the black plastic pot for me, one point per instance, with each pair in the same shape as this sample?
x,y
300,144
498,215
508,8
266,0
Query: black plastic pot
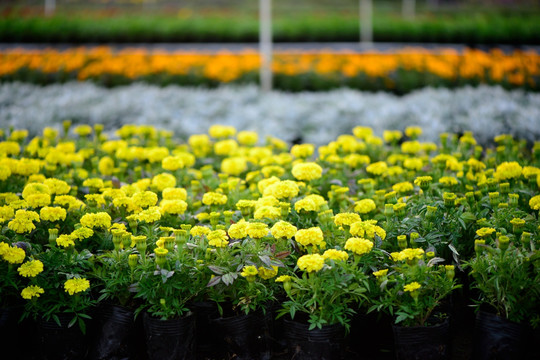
x,y
208,345
60,342
245,337
170,339
422,342
119,336
497,338
318,344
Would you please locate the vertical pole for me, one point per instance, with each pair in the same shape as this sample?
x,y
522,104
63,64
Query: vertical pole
x,y
265,44
408,9
50,7
366,23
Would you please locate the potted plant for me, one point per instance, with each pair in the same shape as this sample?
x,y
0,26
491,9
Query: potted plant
x,y
168,280
507,278
59,299
412,290
323,292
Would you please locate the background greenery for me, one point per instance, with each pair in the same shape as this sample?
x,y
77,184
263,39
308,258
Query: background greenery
x,y
470,22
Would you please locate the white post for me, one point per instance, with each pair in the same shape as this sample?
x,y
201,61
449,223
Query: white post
x,y
265,44
50,6
366,23
408,9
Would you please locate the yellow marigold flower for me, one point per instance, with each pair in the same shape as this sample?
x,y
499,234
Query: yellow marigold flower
x,y
76,285
423,181
214,198
359,246
6,213
163,181
377,168
413,131
257,230
337,255
346,219
5,172
380,273
283,279
83,130
95,200
534,203
448,180
411,147
21,226
10,147
392,135
13,255
264,183
234,165
96,220
362,132
412,287
226,147
272,170
508,170
403,187
221,131
312,236
218,238
306,204
106,166
283,230
65,241
238,230
173,206
156,154
307,171
95,183
199,230
249,270
367,229
172,163
267,274
302,150
356,160
413,164
174,194
150,215
286,189
310,263
32,291
84,233
530,172
247,138
267,212
38,200
145,199
485,231
3,248
365,206
30,268
411,254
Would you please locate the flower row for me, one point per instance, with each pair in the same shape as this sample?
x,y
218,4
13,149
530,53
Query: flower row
x,y
517,69
361,224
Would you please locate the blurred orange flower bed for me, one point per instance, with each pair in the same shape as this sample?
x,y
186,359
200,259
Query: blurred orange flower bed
x,y
517,69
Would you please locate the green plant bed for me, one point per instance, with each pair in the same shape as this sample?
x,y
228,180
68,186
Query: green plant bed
x,y
490,28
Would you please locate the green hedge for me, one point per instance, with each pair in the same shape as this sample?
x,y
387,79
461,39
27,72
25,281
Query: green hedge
x,y
473,29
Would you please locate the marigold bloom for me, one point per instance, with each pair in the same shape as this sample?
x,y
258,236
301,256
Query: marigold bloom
x,y
337,255
238,230
485,231
346,219
30,268
65,241
234,165
534,202
145,199
507,171
249,270
257,230
286,189
199,230
266,274
96,220
365,206
173,206
174,194
76,285
377,168
214,198
412,287
218,238
283,229
380,273
359,246
283,278
247,138
310,237
163,181
307,171
32,291
49,213
13,255
310,263
267,212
